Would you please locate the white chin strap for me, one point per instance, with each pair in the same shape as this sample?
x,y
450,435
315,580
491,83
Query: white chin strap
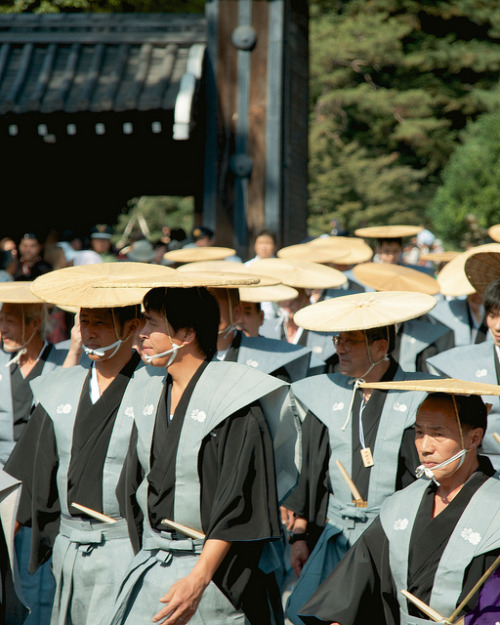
x,y
173,352
429,473
101,351
227,331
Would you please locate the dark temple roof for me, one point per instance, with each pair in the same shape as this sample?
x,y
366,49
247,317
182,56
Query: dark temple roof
x,y
100,62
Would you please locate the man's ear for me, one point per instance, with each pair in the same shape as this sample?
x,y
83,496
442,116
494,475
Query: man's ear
x,y
187,335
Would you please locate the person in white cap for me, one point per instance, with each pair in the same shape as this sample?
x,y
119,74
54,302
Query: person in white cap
x,y
370,433
423,558
72,450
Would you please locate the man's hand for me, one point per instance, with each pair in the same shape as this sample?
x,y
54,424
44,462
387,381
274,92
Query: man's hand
x,y
184,596
300,554
181,601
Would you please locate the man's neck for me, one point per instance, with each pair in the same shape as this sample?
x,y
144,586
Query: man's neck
x,y
225,340
449,488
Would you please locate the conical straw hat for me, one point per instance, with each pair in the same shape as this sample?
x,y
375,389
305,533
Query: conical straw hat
x,y
363,311
439,257
81,286
18,292
388,232
494,232
221,267
388,277
357,251
314,254
259,294
193,254
111,285
452,278
481,269
451,386
299,274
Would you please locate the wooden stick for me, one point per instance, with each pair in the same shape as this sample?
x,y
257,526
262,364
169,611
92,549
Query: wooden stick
x,y
474,589
349,482
184,529
93,513
423,607
496,437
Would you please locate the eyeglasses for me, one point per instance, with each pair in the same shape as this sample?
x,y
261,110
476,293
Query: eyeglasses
x,y
346,343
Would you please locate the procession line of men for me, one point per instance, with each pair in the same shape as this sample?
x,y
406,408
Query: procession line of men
x,y
170,472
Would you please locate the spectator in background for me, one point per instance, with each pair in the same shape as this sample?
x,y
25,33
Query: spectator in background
x,y
8,266
201,236
141,251
100,242
264,246
31,263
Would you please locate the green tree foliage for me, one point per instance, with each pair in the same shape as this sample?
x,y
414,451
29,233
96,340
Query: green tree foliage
x,y
98,6
393,83
468,202
156,212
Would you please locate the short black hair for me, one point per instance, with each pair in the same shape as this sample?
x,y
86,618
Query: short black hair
x,y
266,232
383,332
491,298
398,240
193,308
471,409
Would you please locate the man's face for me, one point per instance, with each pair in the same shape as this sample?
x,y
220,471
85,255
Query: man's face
x,y
251,318
101,246
352,351
390,252
264,246
98,329
29,249
154,337
11,327
291,306
223,300
437,436
493,323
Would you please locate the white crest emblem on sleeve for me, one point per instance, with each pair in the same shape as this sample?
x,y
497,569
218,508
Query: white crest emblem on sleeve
x,y
148,410
252,363
474,538
63,409
400,524
338,405
480,373
198,415
129,412
400,407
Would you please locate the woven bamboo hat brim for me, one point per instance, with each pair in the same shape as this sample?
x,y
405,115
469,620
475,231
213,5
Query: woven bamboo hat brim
x,y
388,277
388,232
452,278
82,286
18,292
481,269
494,232
314,254
221,267
363,311
259,294
452,386
193,254
439,257
299,274
357,251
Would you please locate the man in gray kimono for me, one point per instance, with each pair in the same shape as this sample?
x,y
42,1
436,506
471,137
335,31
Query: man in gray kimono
x,y
369,433
25,355
72,450
480,362
435,538
212,454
